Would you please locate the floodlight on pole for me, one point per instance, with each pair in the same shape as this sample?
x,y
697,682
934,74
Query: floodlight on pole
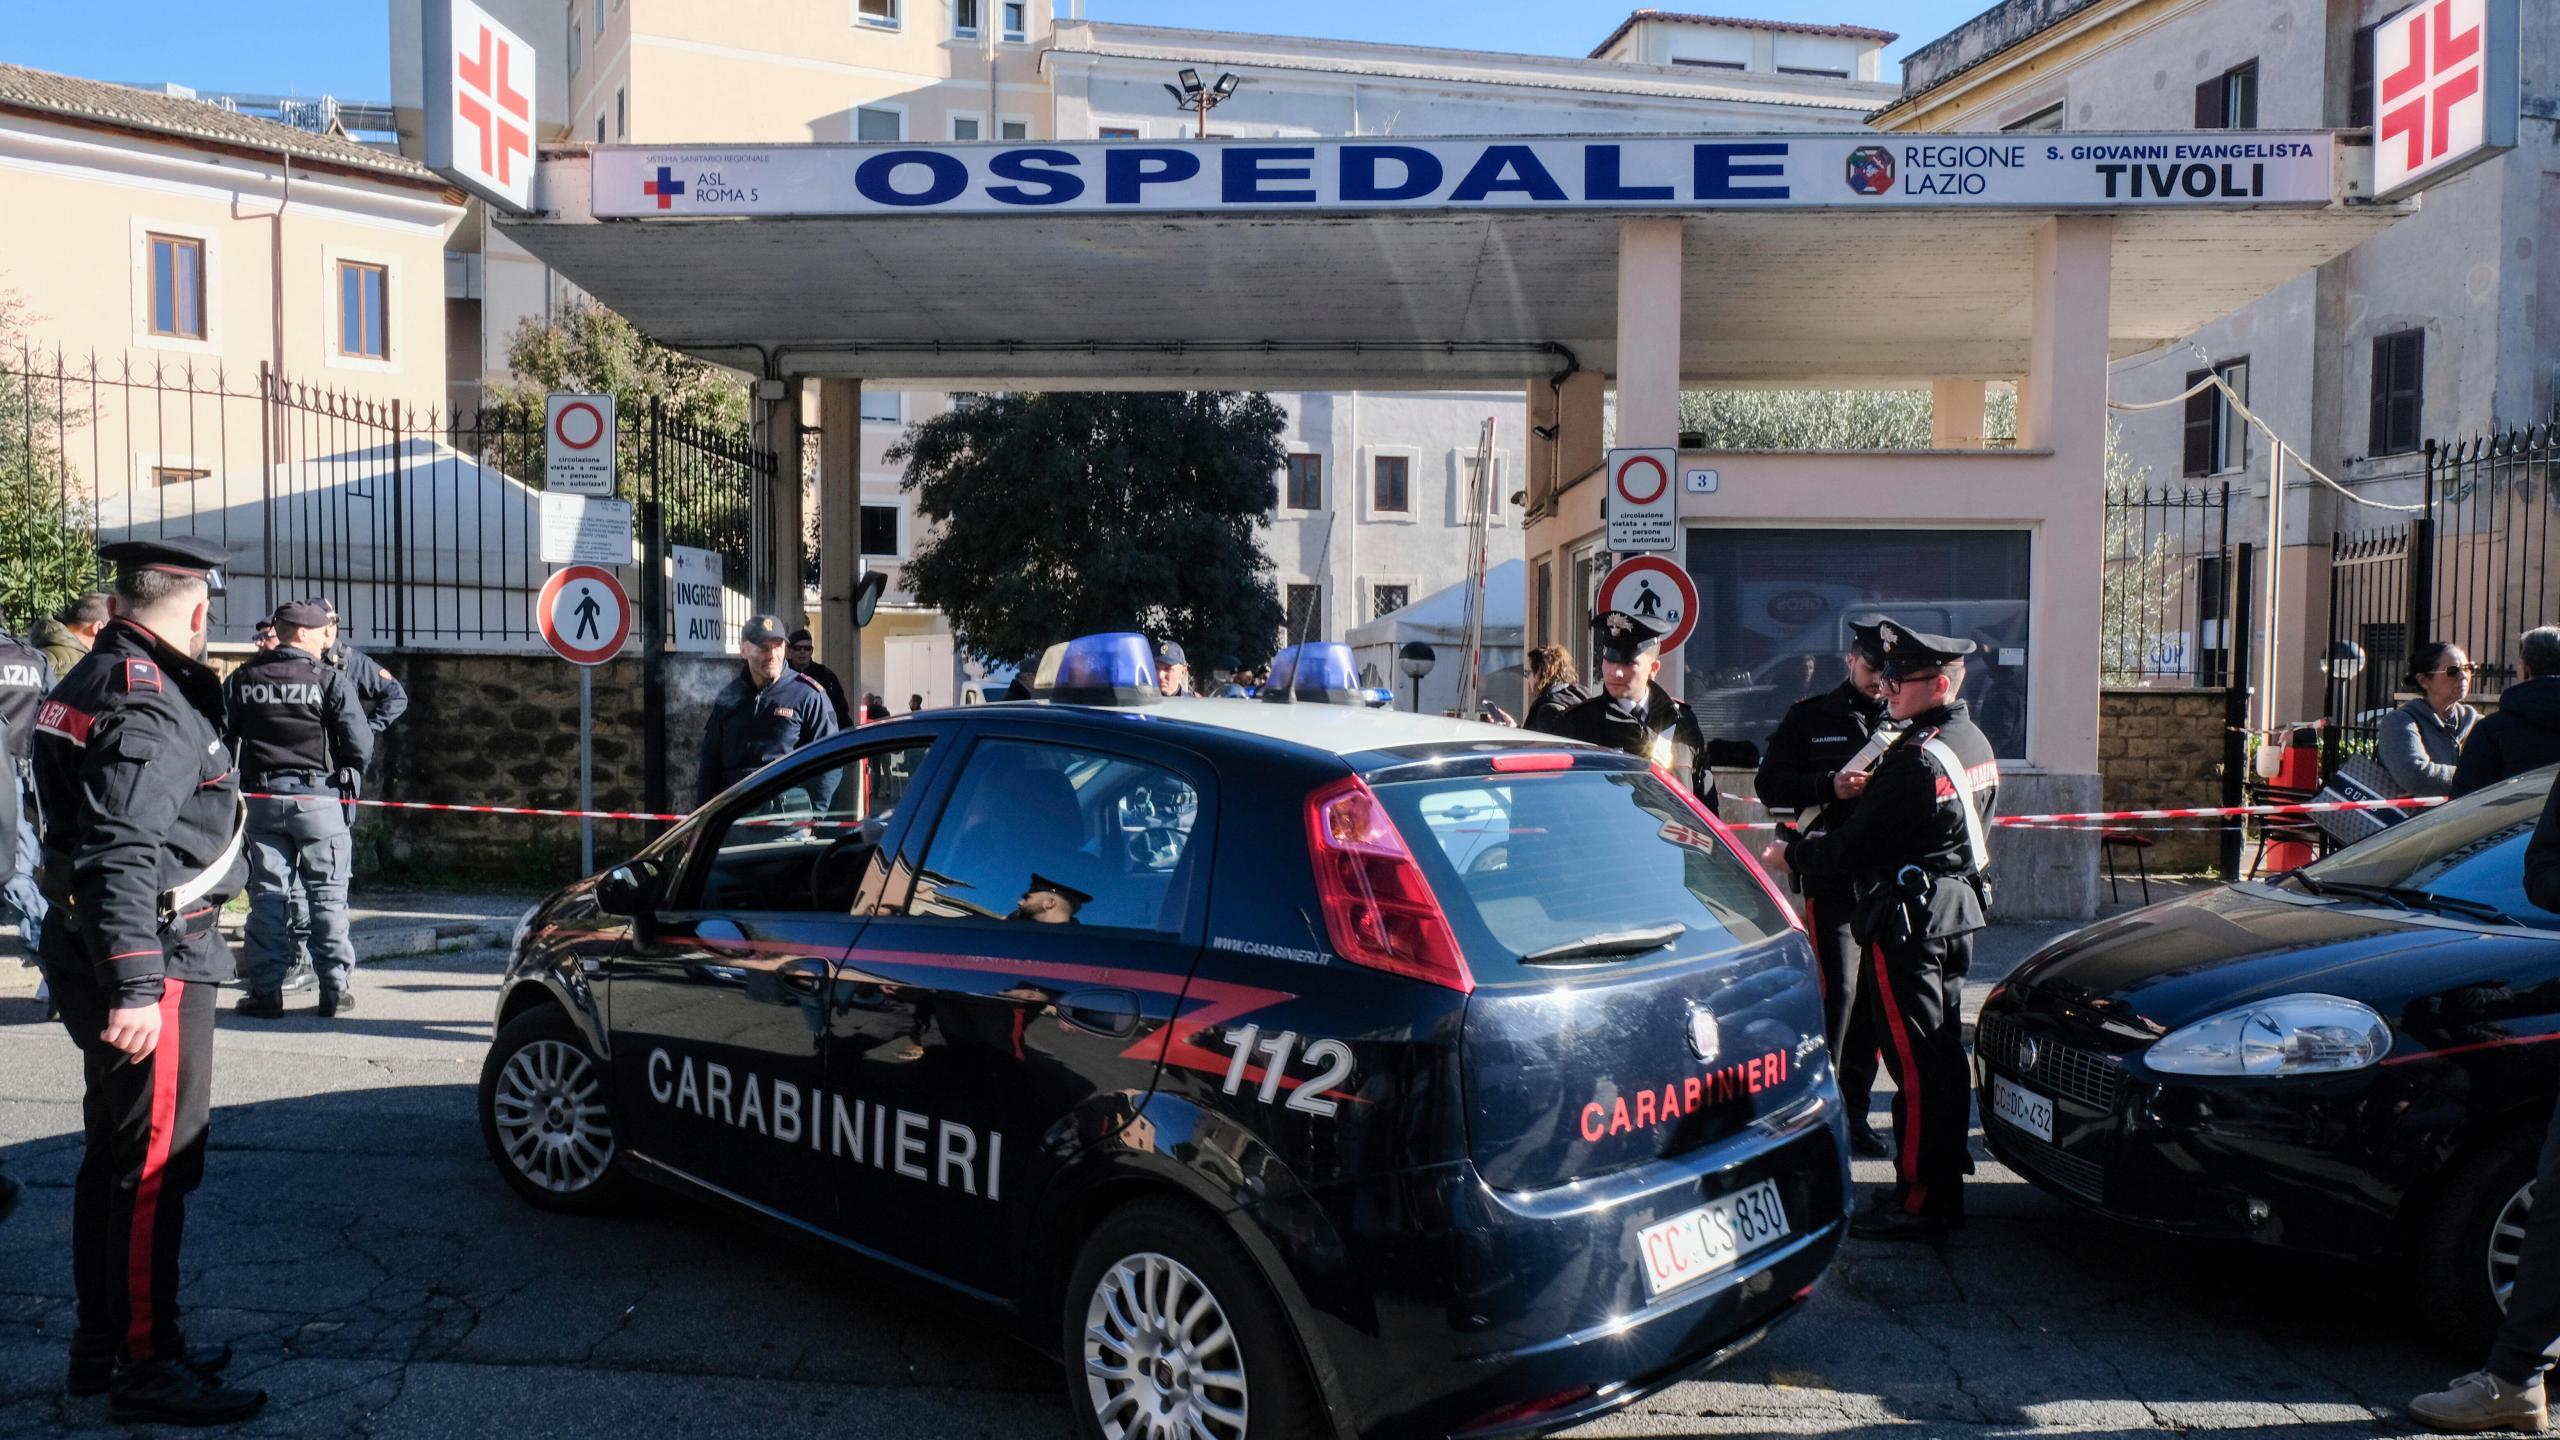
x,y
1201,99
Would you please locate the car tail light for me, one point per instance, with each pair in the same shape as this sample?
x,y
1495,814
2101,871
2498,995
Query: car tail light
x,y
1512,762
1378,908
1749,860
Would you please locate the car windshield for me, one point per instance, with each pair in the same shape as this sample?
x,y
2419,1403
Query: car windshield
x,y
2470,851
1547,863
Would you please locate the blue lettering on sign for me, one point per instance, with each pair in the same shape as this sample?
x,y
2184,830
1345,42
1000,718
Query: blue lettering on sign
x,y
1244,173
1058,184
1422,172
1127,173
1716,172
1600,177
1512,168
876,178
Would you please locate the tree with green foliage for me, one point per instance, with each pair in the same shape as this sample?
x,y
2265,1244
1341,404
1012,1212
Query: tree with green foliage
x,y
1826,419
2139,596
1066,513
48,538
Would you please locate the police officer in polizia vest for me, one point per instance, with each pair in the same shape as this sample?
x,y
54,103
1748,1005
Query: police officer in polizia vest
x,y
25,676
1817,764
1627,710
300,733
766,713
1917,849
142,838
385,699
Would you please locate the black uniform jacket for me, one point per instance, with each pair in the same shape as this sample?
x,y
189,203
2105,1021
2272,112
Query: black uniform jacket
x,y
385,698
1819,735
1911,815
751,728
137,796
25,676
294,721
1585,712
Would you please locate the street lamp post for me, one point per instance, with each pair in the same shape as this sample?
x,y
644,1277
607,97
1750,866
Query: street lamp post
x,y
1416,660
1201,99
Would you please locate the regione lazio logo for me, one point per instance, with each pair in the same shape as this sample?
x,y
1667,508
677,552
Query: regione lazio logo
x,y
2430,100
482,135
1870,170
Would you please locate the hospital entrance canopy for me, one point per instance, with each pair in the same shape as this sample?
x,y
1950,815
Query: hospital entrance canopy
x,y
1836,259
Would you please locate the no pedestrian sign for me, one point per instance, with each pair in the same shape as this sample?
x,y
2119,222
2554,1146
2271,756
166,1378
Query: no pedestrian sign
x,y
1642,505
578,447
583,614
1656,591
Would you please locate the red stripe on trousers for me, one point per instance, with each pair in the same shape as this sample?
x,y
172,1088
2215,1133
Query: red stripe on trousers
x,y
155,1159
1915,1196
1821,970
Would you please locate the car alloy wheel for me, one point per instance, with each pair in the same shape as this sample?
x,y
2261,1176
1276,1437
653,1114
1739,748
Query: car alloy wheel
x,y
1161,1359
2506,1243
550,1113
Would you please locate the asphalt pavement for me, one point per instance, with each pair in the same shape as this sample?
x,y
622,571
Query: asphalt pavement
x,y
355,1244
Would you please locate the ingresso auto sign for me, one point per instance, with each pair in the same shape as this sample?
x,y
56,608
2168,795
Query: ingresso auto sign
x,y
1847,171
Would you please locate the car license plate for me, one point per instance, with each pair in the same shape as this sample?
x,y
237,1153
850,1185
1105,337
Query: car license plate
x,y
1704,1241
2022,1108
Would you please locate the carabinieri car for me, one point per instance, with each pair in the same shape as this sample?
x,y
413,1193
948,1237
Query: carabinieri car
x,y
1284,1068
2355,1059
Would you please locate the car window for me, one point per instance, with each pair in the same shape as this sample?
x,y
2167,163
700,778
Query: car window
x,y
2470,849
1522,865
1063,835
803,841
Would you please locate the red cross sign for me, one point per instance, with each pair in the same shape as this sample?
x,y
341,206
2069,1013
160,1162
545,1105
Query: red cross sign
x,y
481,134
2438,78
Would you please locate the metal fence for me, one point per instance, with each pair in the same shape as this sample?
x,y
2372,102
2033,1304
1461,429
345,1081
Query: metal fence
x,y
2166,593
423,525
2488,575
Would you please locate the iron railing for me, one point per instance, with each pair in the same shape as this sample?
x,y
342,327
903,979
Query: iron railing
x,y
2166,592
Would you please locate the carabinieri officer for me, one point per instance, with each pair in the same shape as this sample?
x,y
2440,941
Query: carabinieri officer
x,y
1918,850
1627,710
142,839
1817,765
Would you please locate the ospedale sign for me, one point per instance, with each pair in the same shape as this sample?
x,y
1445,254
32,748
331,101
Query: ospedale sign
x,y
1847,171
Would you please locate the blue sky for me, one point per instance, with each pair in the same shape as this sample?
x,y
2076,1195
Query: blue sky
x,y
310,47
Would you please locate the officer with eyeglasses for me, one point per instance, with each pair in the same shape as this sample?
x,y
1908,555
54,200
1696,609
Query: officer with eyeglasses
x,y
1917,849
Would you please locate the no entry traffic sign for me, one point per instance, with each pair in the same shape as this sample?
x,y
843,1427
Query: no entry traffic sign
x,y
1641,502
583,614
578,448
1653,589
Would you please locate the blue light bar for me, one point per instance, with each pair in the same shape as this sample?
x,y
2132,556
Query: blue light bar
x,y
1118,668
1319,672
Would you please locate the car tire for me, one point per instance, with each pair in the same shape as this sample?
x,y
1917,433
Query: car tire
x,y
2470,1239
546,1114
1131,1327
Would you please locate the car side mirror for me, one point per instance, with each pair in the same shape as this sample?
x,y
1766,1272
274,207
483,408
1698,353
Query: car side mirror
x,y
628,889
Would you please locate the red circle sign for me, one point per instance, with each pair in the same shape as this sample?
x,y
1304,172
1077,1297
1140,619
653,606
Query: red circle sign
x,y
1653,589
594,425
583,614
1661,480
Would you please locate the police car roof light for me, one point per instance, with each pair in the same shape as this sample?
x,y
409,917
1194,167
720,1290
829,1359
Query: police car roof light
x,y
1519,761
1750,861
1318,672
1379,909
1115,668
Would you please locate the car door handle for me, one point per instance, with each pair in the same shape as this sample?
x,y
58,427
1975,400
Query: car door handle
x,y
1104,1012
804,976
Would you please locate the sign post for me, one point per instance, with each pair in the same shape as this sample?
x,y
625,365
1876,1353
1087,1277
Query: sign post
x,y
1641,505
577,449
479,103
584,530
1655,590
2445,91
584,615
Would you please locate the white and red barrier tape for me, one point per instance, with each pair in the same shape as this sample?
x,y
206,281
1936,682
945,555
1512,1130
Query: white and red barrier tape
x,y
2092,819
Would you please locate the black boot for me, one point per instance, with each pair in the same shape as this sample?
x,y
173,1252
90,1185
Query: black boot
x,y
160,1392
92,1371
1866,1144
299,979
260,1007
336,1002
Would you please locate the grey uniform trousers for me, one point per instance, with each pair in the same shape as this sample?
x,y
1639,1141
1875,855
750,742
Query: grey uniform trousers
x,y
300,856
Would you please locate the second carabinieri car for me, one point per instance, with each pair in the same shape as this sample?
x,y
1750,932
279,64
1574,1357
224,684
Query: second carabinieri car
x,y
1287,1068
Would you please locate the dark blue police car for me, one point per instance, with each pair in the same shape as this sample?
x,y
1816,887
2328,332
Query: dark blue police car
x,y
1284,1068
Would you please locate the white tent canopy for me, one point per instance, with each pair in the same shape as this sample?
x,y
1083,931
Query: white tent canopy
x,y
1439,621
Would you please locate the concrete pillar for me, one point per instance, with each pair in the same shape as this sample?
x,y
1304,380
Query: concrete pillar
x,y
778,510
1955,414
840,564
2063,404
1649,332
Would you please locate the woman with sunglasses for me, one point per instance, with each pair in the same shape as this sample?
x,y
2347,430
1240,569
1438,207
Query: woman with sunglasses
x,y
2421,742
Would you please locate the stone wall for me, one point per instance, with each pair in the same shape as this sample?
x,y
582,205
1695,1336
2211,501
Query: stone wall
x,y
2162,749
503,730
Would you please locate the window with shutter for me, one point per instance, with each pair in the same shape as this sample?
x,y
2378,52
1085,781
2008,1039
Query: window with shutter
x,y
2199,427
2399,389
